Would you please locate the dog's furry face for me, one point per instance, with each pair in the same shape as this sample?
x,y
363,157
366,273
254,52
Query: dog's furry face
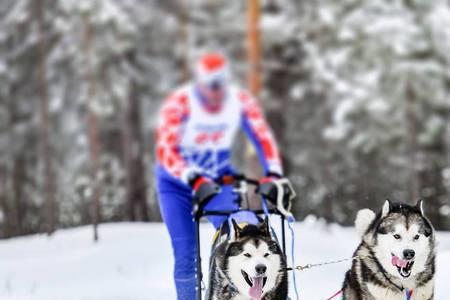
x,y
254,261
401,237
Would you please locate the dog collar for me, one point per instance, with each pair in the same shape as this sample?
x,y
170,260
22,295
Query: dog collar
x,y
408,294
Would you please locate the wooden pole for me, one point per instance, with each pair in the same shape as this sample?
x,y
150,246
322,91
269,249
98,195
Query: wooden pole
x,y
253,47
252,167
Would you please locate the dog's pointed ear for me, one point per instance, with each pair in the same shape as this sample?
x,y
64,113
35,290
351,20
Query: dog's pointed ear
x,y
419,206
264,227
236,228
386,208
363,220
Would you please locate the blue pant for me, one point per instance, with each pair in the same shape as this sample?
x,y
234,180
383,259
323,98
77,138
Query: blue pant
x,y
175,201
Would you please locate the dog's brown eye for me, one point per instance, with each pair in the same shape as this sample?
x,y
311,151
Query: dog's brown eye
x,y
247,255
267,254
416,237
397,236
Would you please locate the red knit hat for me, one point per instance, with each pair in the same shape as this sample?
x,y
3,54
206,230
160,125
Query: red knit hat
x,y
211,67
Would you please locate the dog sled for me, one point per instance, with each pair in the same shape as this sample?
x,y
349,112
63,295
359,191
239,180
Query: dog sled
x,y
275,199
280,195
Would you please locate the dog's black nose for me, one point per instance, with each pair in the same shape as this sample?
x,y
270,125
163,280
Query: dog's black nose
x,y
260,269
408,254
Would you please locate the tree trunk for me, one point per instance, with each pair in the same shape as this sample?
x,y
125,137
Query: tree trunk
x,y
17,207
411,119
133,152
4,204
92,123
44,127
183,33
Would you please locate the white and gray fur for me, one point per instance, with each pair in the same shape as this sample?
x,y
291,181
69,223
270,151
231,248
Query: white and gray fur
x,y
228,259
398,227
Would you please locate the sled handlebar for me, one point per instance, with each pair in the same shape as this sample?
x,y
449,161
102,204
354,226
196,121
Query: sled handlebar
x,y
240,183
281,197
236,178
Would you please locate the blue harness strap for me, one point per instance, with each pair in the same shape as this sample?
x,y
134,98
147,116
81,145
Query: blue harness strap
x,y
408,294
265,207
291,221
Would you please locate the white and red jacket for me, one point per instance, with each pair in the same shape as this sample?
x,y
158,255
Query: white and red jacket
x,y
191,139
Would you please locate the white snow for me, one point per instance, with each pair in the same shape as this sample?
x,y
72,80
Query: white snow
x,y
133,262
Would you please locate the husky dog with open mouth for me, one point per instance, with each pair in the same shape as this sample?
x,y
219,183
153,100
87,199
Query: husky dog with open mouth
x,y
250,266
396,257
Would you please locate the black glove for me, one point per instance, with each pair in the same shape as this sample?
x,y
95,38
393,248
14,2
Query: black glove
x,y
269,190
204,190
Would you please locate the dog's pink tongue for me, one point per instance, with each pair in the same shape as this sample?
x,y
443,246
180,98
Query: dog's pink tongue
x,y
398,262
255,291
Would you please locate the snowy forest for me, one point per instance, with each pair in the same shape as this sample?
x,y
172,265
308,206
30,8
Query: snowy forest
x,y
357,93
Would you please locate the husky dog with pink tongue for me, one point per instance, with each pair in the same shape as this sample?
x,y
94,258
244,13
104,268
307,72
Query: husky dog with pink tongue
x,y
396,257
248,266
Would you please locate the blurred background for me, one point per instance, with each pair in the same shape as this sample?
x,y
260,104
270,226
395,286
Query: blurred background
x,y
357,93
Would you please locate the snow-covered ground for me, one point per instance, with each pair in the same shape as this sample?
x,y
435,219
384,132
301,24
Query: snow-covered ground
x,y
133,262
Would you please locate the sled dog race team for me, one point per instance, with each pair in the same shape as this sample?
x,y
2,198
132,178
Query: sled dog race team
x,y
197,126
